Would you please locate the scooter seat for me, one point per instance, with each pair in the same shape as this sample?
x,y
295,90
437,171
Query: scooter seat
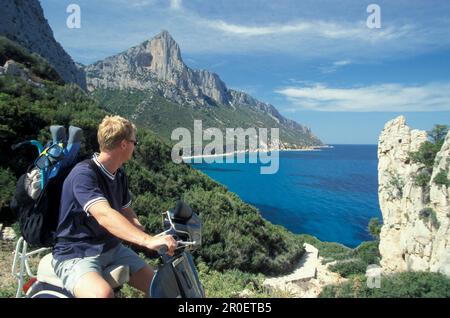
x,y
115,275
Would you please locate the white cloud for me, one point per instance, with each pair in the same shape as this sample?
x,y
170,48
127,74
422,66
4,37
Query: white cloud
x,y
334,66
375,98
175,4
309,38
140,3
341,63
328,30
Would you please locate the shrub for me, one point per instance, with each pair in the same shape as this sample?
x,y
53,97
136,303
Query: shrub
x,y
228,283
347,268
438,134
374,227
422,179
7,183
442,179
426,156
368,252
429,215
400,285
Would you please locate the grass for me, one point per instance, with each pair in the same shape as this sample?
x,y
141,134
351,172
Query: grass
x,y
8,283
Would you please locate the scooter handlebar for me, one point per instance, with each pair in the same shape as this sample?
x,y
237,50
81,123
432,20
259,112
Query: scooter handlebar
x,y
162,250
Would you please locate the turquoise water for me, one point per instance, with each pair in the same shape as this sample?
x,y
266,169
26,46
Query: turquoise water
x,y
331,193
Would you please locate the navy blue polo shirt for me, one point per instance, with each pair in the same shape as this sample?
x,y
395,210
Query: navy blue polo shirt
x,y
78,233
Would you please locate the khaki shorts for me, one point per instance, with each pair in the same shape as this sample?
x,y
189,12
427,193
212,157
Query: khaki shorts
x,y
70,271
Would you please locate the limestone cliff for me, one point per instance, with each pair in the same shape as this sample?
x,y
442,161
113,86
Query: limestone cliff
x,y
23,21
157,65
416,228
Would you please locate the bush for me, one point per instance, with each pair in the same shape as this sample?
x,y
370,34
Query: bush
x,y
368,252
228,283
374,227
426,154
438,134
422,179
7,184
442,179
429,215
349,267
396,185
401,285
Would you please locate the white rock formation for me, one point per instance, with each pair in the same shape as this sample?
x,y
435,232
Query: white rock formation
x,y
407,241
16,69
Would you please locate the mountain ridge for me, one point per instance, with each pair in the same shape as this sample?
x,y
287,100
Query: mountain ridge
x,y
156,65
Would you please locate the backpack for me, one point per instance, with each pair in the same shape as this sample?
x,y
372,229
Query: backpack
x,y
38,218
38,211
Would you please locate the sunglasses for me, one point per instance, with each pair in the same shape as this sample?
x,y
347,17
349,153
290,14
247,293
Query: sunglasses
x,y
135,142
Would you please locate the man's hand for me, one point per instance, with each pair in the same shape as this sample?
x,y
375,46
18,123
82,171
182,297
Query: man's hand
x,y
121,227
155,242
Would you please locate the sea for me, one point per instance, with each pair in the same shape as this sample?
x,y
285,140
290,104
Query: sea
x,y
330,193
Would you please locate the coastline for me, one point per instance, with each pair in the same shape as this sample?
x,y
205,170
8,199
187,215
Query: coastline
x,y
311,148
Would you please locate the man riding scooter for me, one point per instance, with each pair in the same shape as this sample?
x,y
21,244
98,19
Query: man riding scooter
x,y
95,215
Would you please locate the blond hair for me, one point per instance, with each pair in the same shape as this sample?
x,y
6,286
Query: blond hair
x,y
112,130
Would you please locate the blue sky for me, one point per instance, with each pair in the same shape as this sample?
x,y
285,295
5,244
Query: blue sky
x,y
316,61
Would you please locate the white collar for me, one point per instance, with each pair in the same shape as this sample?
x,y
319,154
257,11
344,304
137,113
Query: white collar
x,y
102,167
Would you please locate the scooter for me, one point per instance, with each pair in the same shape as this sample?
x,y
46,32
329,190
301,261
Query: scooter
x,y
176,277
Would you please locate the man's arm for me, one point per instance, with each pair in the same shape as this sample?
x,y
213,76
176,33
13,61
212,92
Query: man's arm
x,y
119,226
132,217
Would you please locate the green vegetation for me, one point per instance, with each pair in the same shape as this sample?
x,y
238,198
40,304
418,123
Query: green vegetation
x,y
358,259
36,64
442,179
234,237
396,185
401,285
422,179
349,262
374,228
162,116
229,283
7,186
330,251
426,155
429,215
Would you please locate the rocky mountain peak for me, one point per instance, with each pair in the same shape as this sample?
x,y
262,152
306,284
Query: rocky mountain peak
x,y
157,65
166,56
